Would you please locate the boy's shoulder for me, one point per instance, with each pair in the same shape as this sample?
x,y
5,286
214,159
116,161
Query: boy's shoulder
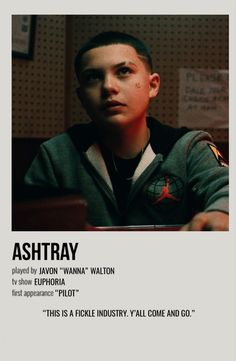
x,y
164,137
80,135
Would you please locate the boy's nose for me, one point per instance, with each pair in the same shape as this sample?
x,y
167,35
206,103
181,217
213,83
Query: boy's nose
x,y
110,85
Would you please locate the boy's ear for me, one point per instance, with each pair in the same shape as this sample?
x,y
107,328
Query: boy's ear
x,y
154,85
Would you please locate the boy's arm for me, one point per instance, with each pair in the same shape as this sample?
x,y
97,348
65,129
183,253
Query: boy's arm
x,y
209,180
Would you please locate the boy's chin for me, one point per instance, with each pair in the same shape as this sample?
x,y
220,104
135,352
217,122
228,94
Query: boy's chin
x,y
114,122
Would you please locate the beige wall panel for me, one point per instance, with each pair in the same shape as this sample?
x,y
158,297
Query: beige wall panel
x,y
38,84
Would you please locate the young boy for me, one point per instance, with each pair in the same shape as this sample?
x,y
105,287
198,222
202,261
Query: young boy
x,y
131,169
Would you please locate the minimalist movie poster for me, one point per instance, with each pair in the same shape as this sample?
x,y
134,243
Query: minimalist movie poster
x,y
75,287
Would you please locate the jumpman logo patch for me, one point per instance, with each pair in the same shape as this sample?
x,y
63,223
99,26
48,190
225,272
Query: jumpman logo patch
x,y
164,191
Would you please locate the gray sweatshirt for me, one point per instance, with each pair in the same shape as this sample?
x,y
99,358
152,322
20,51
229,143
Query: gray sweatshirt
x,y
180,173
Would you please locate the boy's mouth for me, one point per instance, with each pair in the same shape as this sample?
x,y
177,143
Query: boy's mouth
x,y
112,104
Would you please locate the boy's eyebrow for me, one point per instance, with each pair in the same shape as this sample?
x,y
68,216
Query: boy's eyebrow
x,y
113,66
124,63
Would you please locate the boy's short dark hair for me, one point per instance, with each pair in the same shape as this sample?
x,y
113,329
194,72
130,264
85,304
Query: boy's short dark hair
x,y
114,37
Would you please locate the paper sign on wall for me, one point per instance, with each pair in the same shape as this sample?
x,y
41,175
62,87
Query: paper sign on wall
x,y
203,98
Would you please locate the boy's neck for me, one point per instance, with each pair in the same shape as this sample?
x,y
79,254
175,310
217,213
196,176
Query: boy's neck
x,y
126,142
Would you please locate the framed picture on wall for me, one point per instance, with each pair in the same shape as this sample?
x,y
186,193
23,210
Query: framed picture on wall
x,y
23,34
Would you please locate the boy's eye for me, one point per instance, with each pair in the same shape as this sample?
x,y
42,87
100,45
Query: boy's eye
x,y
91,77
124,71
